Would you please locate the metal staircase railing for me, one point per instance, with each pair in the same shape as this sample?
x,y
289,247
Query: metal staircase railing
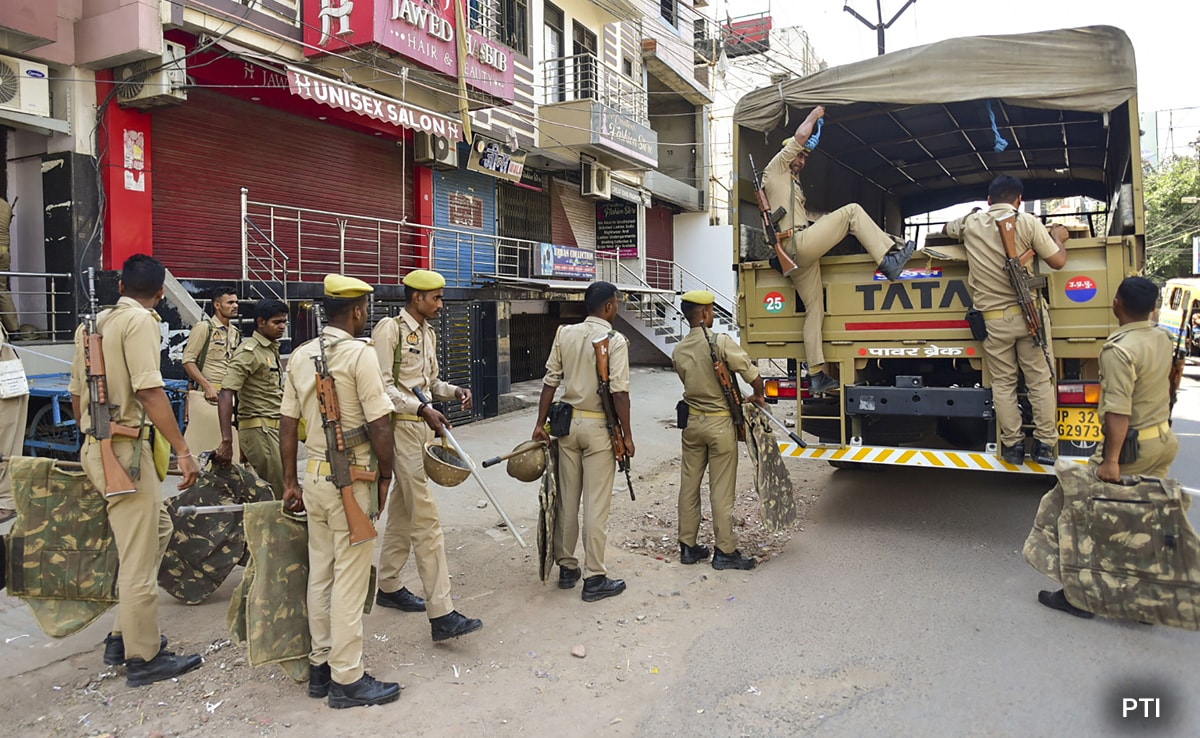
x,y
263,262
656,309
668,275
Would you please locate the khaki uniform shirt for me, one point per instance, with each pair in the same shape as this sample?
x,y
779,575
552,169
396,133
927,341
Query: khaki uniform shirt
x,y
257,378
573,361
782,188
986,279
358,381
694,365
132,345
6,215
220,349
418,364
1135,366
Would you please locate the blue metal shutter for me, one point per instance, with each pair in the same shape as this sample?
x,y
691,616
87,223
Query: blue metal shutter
x,y
465,202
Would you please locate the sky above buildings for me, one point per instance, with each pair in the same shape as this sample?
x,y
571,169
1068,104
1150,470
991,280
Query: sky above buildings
x,y
1164,35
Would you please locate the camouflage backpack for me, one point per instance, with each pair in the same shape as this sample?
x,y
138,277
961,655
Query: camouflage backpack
x,y
204,548
62,559
1125,551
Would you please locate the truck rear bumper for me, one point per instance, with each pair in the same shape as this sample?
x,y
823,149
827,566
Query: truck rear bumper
x,y
900,456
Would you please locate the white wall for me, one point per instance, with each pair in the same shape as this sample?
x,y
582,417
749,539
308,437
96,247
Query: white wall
x,y
706,251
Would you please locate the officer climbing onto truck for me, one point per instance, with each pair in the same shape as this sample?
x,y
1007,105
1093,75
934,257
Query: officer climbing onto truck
x,y
809,236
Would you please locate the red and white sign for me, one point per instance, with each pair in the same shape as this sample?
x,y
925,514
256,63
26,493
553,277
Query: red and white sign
x,y
378,107
424,31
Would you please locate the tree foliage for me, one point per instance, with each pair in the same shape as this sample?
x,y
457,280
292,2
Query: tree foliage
x,y
1170,222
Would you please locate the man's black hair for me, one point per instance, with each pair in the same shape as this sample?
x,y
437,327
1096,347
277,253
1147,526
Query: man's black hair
x,y
597,294
264,310
1005,188
338,307
689,308
1139,295
219,292
142,276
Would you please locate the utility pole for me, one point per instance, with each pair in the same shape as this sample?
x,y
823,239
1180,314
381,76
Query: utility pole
x,y
879,27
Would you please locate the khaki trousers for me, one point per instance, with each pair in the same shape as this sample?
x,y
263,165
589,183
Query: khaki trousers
x,y
1009,347
12,442
203,431
141,527
586,468
711,442
413,522
339,576
261,447
814,242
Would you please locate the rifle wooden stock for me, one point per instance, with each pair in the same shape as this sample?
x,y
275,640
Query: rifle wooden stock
x,y
342,474
770,223
612,421
729,388
117,481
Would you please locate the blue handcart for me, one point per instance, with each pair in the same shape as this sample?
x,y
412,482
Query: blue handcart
x,y
52,431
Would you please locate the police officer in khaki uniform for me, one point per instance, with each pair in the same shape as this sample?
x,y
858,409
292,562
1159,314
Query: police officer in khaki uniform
x,y
339,573
406,348
13,412
139,520
710,438
206,357
814,235
1009,347
255,378
1138,376
586,464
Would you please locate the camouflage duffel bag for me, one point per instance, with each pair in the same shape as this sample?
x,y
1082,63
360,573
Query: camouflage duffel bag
x,y
1128,550
204,548
61,556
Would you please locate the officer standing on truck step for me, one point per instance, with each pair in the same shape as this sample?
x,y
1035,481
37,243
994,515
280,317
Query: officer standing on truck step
x,y
813,235
1008,347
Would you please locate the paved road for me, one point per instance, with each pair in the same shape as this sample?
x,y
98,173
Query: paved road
x,y
905,609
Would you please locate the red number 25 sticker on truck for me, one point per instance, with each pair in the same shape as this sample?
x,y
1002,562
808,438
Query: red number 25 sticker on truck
x,y
773,302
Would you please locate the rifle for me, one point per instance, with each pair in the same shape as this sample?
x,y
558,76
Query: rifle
x,y
729,388
612,421
1024,284
342,473
772,236
117,480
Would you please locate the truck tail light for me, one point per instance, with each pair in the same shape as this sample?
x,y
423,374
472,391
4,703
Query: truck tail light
x,y
1079,393
780,389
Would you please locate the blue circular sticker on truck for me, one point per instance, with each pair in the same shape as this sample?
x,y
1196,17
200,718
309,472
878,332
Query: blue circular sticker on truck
x,y
1080,289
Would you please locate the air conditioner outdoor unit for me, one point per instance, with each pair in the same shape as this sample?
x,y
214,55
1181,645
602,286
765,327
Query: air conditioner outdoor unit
x,y
24,87
436,152
151,83
595,181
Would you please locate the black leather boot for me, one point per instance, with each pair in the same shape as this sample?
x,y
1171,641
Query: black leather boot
x,y
401,599
735,560
1014,454
366,691
1042,453
693,554
114,649
165,665
453,625
600,586
567,577
1058,601
318,681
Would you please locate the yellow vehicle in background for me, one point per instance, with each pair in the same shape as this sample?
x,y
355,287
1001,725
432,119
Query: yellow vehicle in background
x,y
915,137
1180,314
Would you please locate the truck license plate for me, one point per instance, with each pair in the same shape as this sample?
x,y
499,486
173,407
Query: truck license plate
x,y
1079,424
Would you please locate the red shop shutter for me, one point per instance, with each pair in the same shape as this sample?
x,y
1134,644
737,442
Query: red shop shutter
x,y
660,243
205,151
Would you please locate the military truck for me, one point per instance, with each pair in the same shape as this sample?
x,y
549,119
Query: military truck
x,y
915,137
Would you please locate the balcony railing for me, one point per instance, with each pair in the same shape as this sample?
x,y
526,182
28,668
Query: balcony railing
x,y
583,77
45,309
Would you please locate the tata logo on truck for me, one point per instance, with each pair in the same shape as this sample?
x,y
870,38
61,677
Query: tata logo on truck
x,y
910,295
